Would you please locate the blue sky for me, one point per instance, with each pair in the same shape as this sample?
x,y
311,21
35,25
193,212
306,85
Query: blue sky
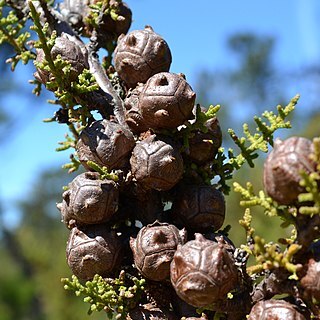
x,y
196,32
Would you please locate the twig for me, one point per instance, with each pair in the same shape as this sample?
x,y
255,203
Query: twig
x,y
55,21
102,78
104,83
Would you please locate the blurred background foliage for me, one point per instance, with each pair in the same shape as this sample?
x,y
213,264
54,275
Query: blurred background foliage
x,y
32,254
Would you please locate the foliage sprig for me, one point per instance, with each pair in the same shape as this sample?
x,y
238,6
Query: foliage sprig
x,y
73,165
250,143
12,31
245,222
269,256
103,171
67,144
116,296
250,199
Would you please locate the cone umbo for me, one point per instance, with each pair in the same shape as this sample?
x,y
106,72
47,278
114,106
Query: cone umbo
x,y
154,248
200,208
93,249
203,271
156,164
74,12
89,200
139,55
106,143
166,101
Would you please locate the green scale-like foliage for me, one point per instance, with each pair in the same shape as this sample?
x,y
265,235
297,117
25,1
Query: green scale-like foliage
x,y
115,296
13,31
